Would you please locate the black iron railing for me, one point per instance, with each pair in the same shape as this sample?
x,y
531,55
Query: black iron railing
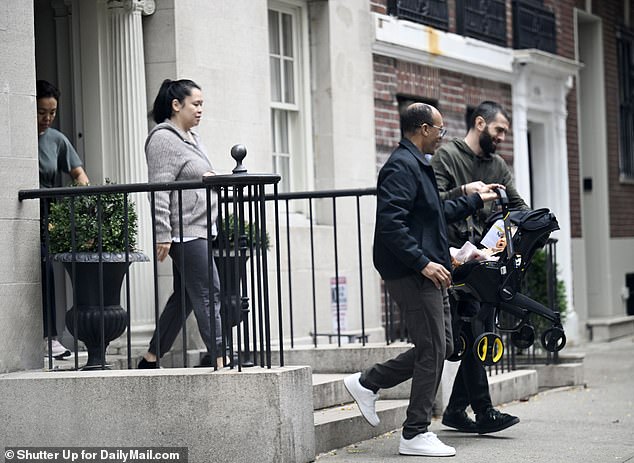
x,y
100,319
625,57
255,295
482,19
429,12
534,26
328,200
554,292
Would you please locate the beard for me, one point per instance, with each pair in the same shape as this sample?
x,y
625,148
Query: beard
x,y
486,143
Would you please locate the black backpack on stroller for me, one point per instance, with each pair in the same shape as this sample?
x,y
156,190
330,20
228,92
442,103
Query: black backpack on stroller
x,y
498,283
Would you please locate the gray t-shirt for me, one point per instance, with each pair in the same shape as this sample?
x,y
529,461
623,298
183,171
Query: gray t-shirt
x,y
57,156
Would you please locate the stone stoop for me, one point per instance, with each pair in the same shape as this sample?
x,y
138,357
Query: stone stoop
x,y
118,361
610,328
210,413
339,423
339,426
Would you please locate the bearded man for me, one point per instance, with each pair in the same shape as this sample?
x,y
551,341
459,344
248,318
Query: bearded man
x,y
462,167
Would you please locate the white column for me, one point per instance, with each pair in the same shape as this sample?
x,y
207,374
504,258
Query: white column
x,y
61,15
521,170
126,161
564,248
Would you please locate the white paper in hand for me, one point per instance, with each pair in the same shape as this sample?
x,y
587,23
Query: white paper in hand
x,y
468,252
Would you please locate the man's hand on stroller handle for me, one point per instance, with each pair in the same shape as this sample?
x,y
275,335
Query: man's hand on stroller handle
x,y
438,274
489,192
480,187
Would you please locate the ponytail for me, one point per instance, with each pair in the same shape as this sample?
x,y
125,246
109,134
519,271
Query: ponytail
x,y
170,90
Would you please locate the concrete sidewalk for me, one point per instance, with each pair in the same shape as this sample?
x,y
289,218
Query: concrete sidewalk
x,y
591,424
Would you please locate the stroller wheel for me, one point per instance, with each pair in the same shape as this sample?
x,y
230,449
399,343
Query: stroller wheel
x,y
460,347
524,337
488,348
554,339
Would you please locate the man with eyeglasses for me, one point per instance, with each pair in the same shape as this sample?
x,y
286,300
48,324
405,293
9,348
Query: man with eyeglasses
x,y
411,253
462,167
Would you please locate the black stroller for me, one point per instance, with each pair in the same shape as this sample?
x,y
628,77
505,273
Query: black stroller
x,y
498,283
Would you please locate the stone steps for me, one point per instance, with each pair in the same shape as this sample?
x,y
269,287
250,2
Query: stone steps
x,y
339,423
339,426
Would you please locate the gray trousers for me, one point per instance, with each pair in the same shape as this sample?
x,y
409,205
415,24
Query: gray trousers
x,y
195,276
428,322
471,386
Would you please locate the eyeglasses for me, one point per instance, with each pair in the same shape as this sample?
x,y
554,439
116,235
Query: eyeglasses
x,y
442,130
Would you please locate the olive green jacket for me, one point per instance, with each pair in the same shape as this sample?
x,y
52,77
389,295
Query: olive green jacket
x,y
455,164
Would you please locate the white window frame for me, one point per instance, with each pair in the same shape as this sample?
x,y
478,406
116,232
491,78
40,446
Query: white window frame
x,y
300,136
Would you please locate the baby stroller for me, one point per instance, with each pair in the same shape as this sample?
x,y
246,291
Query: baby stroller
x,y
498,283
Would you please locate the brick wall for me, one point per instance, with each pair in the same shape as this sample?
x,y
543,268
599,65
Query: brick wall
x,y
574,167
380,6
620,194
387,124
453,92
564,12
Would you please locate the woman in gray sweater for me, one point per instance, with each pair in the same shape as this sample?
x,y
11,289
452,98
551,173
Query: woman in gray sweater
x,y
174,152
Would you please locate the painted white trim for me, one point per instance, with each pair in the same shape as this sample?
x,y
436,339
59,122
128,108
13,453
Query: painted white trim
x,y
552,65
77,82
595,218
299,10
541,83
408,41
306,116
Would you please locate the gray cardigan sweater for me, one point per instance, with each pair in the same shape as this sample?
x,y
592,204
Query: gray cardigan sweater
x,y
172,157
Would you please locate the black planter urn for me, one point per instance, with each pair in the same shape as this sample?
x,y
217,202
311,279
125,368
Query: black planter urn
x,y
235,308
87,306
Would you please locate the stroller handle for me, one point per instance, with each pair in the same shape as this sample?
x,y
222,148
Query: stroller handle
x,y
504,199
504,202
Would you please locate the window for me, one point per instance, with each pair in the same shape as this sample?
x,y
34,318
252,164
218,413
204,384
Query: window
x,y
289,106
626,102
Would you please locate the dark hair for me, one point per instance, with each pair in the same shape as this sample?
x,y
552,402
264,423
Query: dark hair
x,y
414,116
169,91
44,89
488,110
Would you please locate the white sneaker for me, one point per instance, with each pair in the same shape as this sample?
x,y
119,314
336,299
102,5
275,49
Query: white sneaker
x,y
426,445
57,349
365,398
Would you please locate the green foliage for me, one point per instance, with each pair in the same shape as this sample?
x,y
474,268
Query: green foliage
x,y
536,287
227,230
87,224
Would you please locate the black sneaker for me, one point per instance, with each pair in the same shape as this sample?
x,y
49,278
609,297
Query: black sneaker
x,y
493,420
205,362
145,365
458,419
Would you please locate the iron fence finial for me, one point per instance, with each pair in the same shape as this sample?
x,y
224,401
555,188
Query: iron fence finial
x,y
239,152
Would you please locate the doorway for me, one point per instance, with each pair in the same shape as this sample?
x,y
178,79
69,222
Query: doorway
x,y
593,155
57,61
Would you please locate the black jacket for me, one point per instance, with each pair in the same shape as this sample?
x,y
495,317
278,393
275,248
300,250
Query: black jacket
x,y
411,220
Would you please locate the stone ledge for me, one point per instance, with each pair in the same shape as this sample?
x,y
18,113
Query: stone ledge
x,y
349,358
607,329
341,426
558,375
210,413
